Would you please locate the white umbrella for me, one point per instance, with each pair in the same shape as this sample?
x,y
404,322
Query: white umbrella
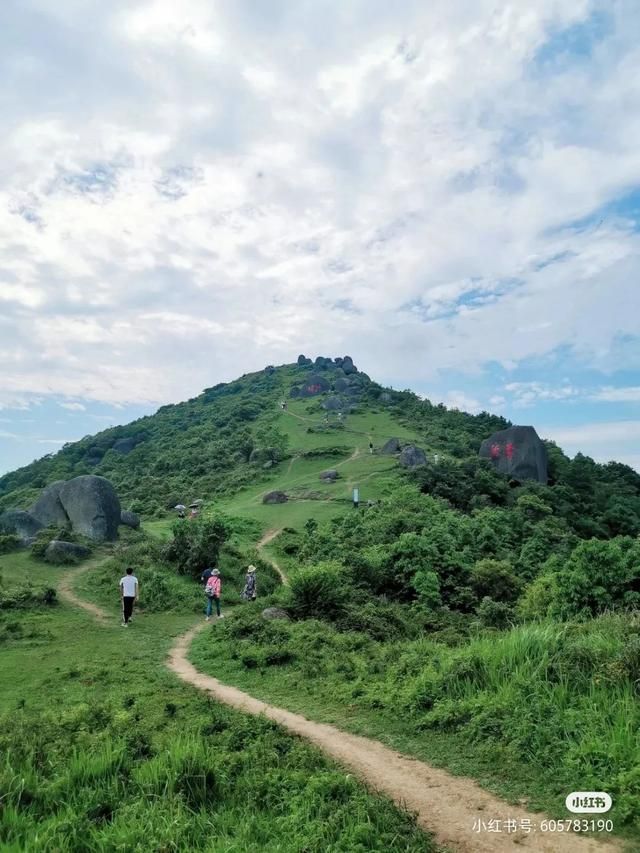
x,y
180,506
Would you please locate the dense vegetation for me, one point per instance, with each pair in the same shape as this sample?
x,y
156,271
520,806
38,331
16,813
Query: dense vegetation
x,y
488,625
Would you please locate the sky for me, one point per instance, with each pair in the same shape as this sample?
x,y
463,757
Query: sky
x,y
449,192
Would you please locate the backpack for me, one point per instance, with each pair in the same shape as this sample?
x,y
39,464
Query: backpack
x,y
210,588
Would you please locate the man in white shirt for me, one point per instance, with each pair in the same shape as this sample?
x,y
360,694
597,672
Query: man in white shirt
x,y
129,588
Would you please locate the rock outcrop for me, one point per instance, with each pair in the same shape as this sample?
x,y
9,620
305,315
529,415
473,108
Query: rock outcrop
x,y
48,509
92,506
412,456
275,613
330,475
65,552
130,519
275,498
390,447
20,523
316,384
518,453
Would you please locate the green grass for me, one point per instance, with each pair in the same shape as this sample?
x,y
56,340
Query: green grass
x,y
103,749
535,712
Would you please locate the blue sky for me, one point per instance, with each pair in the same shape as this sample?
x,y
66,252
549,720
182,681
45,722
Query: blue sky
x,y
449,192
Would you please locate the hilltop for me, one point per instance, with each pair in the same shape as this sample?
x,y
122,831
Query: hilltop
x,y
233,437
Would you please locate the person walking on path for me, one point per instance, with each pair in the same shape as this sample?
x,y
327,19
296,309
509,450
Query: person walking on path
x,y
212,591
250,591
129,591
370,447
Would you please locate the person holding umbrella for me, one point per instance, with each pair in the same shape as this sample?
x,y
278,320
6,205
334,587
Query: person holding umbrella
x,y
181,508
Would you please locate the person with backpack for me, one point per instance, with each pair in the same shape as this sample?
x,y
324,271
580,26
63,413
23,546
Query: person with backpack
x,y
129,590
212,590
250,591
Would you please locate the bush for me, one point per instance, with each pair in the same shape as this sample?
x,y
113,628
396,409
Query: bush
x,y
495,614
195,545
26,597
319,591
8,543
48,534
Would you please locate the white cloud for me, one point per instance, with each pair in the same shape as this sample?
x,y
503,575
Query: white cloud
x,y
73,407
462,401
217,183
527,393
603,441
618,395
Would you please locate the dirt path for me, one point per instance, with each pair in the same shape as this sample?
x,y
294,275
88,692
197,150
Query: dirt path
x,y
268,537
445,805
65,591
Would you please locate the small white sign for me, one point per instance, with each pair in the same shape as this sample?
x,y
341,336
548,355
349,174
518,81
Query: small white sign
x,y
588,802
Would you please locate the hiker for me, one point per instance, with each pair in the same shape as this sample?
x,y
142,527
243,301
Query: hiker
x,y
193,514
204,577
129,589
370,447
250,591
283,405
212,590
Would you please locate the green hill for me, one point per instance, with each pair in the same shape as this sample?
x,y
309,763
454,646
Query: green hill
x,y
487,625
232,442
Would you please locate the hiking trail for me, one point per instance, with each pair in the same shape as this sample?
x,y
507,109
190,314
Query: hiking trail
x,y
268,537
446,806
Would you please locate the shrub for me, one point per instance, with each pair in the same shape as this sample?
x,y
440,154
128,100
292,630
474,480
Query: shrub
x,y
495,614
319,591
195,545
8,543
48,534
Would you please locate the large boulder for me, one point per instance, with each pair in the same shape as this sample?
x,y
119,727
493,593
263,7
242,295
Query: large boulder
x,y
275,613
390,447
412,456
275,498
335,404
330,475
20,523
517,452
315,384
130,519
348,366
93,507
48,509
65,552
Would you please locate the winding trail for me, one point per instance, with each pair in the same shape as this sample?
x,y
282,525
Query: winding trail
x,y
268,537
447,806
65,591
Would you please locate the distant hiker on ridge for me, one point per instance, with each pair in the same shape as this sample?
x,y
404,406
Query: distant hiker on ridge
x,y
129,590
250,591
370,447
212,590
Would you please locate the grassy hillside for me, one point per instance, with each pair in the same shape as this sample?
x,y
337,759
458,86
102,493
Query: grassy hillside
x,y
103,750
486,625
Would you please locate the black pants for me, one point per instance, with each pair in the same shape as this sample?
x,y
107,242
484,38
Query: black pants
x,y
127,607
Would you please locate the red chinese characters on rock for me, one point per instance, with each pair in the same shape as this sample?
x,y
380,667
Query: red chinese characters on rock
x,y
509,449
495,451
313,389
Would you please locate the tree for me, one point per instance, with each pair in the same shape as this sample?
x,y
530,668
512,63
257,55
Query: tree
x,y
495,579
